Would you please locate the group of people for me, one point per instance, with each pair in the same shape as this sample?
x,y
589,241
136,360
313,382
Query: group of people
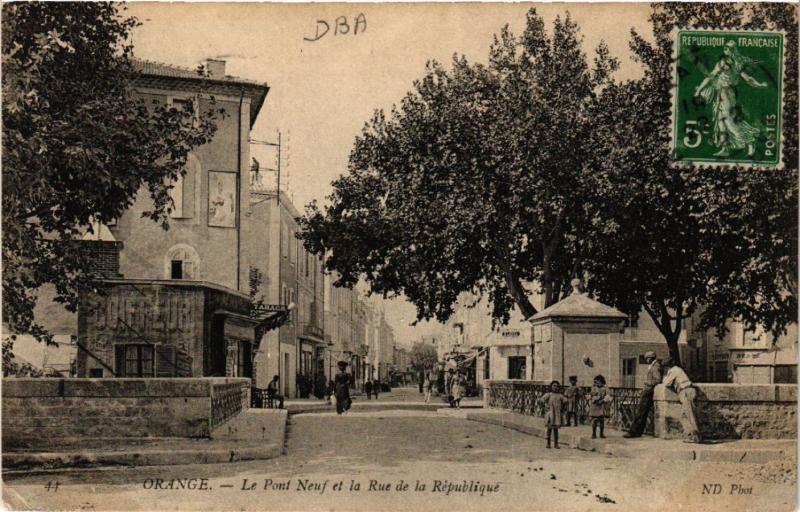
x,y
674,378
371,388
455,387
565,404
558,405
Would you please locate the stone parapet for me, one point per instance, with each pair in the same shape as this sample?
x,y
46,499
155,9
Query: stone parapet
x,y
732,411
36,412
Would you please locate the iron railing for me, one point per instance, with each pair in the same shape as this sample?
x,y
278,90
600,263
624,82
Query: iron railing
x,y
227,399
261,399
524,397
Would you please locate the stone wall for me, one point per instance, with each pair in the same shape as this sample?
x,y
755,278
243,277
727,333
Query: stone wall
x,y
39,412
732,411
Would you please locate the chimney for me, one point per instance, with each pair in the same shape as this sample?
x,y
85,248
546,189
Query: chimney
x,y
215,68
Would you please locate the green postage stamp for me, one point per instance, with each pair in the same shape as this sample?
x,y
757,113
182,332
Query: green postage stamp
x,y
728,98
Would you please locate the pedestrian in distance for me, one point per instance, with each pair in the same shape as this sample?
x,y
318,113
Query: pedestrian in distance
x,y
342,390
677,380
368,389
458,389
651,379
449,386
428,387
420,378
598,405
329,392
554,403
572,394
272,391
376,386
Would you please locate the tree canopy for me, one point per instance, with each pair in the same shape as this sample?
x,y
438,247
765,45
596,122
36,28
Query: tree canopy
x,y
423,356
718,243
474,182
538,168
77,146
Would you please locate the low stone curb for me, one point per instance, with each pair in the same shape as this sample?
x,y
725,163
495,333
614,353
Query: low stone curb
x,y
374,406
53,460
617,449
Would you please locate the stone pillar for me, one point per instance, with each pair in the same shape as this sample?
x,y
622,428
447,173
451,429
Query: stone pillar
x,y
578,336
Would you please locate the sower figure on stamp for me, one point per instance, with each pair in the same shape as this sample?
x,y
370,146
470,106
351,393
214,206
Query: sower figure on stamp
x,y
677,380
731,132
651,380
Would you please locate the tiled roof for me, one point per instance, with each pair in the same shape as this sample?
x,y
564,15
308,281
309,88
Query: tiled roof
x,y
148,67
255,90
578,305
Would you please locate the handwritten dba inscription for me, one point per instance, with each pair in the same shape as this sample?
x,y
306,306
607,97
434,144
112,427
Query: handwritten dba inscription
x,y
339,27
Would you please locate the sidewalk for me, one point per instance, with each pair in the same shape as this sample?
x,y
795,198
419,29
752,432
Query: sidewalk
x,y
256,434
756,451
399,399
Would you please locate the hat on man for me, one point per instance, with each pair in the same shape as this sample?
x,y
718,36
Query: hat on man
x,y
341,364
649,355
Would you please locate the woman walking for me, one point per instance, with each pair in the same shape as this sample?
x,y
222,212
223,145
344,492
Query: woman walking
x,y
342,388
457,389
428,387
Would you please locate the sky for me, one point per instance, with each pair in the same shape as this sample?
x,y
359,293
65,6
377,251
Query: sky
x,y
323,91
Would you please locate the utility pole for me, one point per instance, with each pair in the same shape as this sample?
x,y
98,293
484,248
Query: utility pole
x,y
277,170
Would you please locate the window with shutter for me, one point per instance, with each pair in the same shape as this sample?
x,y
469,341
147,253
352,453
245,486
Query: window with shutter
x,y
134,360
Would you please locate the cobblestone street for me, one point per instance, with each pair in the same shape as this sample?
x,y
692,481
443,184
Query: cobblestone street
x,y
503,469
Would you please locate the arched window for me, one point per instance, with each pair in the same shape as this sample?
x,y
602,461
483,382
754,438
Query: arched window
x,y
185,191
182,262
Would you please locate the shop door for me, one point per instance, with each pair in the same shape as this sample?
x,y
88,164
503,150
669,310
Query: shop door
x,y
516,367
217,349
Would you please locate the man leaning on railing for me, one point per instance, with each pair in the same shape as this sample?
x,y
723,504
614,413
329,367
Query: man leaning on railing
x,y
272,391
651,380
677,380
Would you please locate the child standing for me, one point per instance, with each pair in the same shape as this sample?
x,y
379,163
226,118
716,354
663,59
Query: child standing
x,y
597,405
554,403
572,394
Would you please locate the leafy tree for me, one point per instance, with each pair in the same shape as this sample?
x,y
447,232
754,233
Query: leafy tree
x,y
77,146
474,183
13,368
721,243
423,356
536,168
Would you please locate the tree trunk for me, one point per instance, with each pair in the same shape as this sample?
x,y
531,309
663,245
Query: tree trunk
x,y
663,321
672,344
518,293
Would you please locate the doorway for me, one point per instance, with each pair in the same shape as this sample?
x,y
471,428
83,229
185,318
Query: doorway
x,y
516,367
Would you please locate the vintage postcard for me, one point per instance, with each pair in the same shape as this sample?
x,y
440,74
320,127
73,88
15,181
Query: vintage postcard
x,y
383,256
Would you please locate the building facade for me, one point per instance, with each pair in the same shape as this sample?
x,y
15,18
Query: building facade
x,y
178,307
285,274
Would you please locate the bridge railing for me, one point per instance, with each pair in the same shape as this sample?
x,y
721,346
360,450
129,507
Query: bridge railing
x,y
522,396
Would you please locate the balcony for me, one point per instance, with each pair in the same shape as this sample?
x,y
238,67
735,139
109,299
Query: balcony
x,y
313,331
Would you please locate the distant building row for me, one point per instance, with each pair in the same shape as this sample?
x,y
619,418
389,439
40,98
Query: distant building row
x,y
572,338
